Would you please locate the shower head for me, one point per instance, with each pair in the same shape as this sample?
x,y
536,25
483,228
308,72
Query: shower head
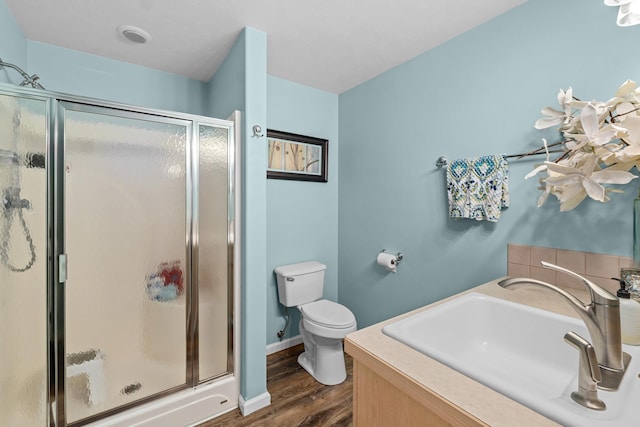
x,y
28,80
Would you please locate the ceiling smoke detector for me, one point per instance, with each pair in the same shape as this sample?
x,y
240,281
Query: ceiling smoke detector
x,y
134,34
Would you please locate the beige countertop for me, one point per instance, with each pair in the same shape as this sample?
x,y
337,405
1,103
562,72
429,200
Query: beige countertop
x,y
432,376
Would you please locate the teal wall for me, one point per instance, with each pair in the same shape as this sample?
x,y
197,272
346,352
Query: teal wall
x,y
13,46
254,224
241,84
227,86
302,217
479,93
70,71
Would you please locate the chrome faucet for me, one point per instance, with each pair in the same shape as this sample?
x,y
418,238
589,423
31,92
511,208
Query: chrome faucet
x,y
601,317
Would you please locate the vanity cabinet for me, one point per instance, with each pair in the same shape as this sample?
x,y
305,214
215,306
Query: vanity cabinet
x,y
383,396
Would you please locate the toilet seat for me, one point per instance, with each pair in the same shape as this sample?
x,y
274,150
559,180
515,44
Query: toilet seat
x,y
328,314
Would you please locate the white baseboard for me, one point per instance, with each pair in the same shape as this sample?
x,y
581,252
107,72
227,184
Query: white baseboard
x,y
284,344
252,405
249,406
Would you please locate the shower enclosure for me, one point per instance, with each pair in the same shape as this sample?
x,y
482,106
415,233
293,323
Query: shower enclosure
x,y
116,261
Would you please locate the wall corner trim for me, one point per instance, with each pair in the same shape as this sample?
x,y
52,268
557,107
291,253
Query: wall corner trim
x,y
252,405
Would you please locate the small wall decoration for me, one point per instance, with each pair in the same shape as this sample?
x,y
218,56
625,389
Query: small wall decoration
x,y
297,157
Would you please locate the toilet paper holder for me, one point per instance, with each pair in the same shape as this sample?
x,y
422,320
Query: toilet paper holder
x,y
398,257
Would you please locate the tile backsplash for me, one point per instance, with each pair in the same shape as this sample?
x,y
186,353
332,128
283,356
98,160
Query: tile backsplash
x,y
524,261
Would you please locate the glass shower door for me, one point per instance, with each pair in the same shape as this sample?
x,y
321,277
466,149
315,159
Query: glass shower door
x,y
215,250
126,238
23,262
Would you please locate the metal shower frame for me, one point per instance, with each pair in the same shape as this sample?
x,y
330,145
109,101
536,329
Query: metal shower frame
x,y
56,266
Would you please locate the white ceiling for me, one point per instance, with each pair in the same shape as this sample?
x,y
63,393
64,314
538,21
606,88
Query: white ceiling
x,y
332,45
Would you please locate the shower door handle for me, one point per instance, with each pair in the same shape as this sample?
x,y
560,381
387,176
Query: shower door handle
x,y
62,268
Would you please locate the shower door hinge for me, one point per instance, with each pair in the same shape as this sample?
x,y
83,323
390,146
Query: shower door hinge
x,y
62,268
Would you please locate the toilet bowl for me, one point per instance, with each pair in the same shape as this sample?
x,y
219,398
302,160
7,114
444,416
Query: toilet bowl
x,y
323,323
323,326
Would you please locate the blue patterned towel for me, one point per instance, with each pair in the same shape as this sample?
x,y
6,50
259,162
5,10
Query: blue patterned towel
x,y
478,188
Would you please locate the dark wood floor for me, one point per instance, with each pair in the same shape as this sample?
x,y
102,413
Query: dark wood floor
x,y
296,398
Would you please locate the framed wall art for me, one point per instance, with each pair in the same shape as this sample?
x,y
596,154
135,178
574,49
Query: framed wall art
x,y
296,157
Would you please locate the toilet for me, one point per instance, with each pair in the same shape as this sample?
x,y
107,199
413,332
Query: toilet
x,y
323,323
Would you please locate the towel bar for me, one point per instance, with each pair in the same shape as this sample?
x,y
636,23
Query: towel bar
x,y
442,160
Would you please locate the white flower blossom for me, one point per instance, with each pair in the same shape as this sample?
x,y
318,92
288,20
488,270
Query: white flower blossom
x,y
601,142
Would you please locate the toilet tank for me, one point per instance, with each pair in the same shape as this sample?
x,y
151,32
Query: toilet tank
x,y
300,283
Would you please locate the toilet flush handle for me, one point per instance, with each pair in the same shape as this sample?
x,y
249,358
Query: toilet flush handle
x,y
290,279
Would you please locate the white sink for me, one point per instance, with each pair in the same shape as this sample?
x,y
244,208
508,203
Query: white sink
x,y
520,352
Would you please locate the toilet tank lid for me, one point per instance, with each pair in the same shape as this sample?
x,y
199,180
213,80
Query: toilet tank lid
x,y
300,268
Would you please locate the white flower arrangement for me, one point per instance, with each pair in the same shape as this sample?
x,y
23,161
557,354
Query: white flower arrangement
x,y
628,11
601,145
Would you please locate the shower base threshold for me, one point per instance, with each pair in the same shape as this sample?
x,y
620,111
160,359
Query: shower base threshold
x,y
183,408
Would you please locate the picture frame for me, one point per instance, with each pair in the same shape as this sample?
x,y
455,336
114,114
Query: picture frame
x,y
296,157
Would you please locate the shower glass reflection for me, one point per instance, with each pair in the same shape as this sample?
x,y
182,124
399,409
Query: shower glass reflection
x,y
23,268
126,299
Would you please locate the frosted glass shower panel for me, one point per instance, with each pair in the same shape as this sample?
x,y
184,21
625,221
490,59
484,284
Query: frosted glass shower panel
x,y
215,250
23,262
125,228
